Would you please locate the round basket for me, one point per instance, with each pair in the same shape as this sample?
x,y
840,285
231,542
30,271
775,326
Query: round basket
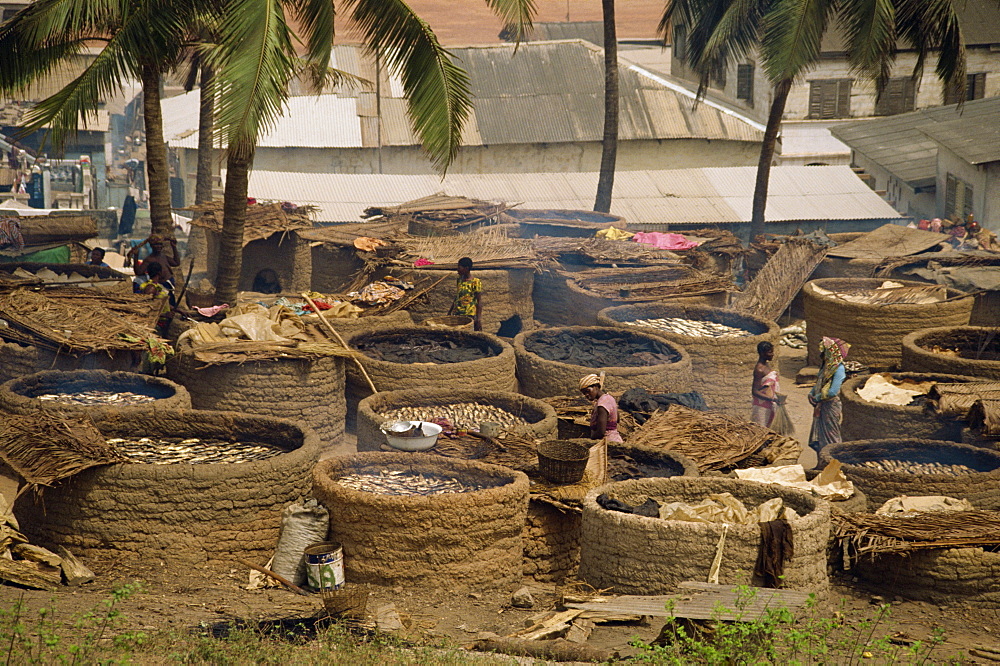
x,y
971,341
460,322
560,461
875,331
348,601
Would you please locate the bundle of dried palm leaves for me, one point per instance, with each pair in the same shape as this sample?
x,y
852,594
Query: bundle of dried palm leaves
x,y
74,323
489,249
44,448
862,534
602,251
712,441
955,400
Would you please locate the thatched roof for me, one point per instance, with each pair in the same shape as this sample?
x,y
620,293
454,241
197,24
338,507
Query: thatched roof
x,y
263,219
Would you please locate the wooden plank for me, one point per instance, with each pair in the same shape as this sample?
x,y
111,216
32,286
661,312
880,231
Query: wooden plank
x,y
723,602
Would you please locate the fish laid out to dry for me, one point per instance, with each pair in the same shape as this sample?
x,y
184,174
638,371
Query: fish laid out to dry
x,y
406,483
193,451
907,467
693,327
97,398
463,415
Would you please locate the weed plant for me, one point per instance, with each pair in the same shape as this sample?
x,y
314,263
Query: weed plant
x,y
778,636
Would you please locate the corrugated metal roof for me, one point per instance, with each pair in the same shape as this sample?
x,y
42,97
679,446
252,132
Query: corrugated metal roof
x,y
591,31
906,145
549,92
709,196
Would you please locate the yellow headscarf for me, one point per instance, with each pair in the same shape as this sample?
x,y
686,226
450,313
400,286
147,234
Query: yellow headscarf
x,y
592,380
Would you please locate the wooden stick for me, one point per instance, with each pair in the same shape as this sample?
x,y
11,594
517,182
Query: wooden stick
x,y
339,339
281,579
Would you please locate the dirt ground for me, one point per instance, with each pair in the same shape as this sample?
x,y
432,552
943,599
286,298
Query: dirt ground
x,y
189,598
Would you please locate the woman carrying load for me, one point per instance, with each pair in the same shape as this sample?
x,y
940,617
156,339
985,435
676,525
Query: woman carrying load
x,y
825,395
604,416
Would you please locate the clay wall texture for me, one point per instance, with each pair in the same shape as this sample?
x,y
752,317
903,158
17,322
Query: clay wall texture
x,y
960,576
722,368
541,378
309,392
981,488
19,360
454,541
639,555
181,512
875,332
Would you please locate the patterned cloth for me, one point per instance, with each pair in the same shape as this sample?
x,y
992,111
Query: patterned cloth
x,y
609,403
826,425
762,411
10,234
468,296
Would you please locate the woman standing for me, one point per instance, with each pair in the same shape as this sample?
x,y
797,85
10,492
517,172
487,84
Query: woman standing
x,y
604,416
825,395
469,297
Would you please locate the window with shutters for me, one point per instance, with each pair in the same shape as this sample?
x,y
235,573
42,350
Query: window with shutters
x,y
957,197
719,75
830,98
975,88
744,83
680,41
898,96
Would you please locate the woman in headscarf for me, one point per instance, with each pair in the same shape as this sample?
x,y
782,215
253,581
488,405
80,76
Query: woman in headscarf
x,y
604,416
825,395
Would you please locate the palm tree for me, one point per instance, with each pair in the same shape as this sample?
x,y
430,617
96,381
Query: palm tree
x,y
256,61
142,40
609,144
786,35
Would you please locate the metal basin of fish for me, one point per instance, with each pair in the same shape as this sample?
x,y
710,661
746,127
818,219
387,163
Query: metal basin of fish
x,y
411,435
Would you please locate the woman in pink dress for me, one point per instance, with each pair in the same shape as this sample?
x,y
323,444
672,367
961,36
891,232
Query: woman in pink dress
x,y
604,416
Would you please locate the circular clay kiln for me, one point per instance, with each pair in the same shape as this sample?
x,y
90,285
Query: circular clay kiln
x,y
552,532
455,540
507,293
911,472
550,362
189,512
464,408
874,330
960,576
862,417
973,351
722,345
309,391
411,357
634,554
90,392
17,360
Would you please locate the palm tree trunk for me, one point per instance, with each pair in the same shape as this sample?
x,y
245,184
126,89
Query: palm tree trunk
x,y
206,147
158,175
609,144
781,90
234,211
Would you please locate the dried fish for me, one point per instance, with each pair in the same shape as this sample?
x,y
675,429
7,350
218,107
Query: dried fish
x,y
388,482
909,467
194,451
691,327
97,398
462,415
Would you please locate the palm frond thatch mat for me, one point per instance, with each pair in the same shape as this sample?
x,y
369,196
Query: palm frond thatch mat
x,y
652,283
864,534
712,441
263,219
955,400
598,251
775,285
984,417
487,249
45,448
244,351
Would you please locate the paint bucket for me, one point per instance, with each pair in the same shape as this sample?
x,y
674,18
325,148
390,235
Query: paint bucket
x,y
325,565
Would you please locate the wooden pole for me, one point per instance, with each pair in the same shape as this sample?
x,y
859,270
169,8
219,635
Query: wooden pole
x,y
339,339
281,579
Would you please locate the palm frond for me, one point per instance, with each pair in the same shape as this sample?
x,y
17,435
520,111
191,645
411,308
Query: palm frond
x,y
517,16
253,65
929,25
437,89
317,20
869,27
790,36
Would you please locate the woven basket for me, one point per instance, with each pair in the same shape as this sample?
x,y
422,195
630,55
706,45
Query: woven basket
x,y
460,322
348,601
562,462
